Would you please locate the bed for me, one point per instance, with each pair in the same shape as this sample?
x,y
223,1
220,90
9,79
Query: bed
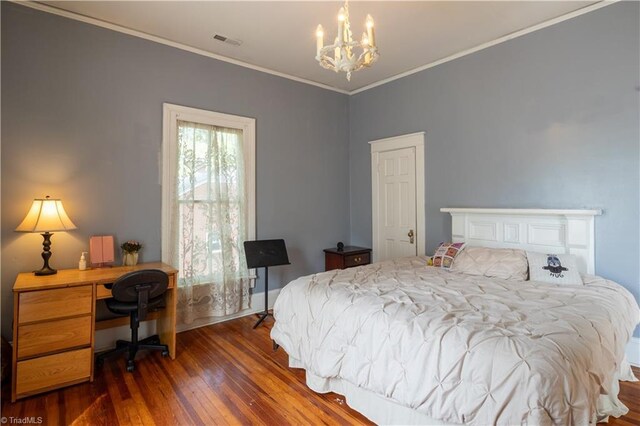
x,y
410,344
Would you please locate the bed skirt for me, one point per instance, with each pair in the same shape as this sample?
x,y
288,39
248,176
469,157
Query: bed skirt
x,y
384,411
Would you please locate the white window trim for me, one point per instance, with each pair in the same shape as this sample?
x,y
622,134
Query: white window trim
x,y
171,114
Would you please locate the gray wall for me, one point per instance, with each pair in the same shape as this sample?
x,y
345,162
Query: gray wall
x,y
546,120
82,120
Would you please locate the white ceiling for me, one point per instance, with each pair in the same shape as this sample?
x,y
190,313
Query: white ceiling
x,y
280,36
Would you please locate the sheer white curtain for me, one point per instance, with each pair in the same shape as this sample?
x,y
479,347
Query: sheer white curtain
x,y
209,222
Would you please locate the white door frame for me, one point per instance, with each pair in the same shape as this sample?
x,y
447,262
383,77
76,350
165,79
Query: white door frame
x,y
413,140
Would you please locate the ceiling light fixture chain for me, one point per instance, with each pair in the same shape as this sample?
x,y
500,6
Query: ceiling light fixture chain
x,y
341,55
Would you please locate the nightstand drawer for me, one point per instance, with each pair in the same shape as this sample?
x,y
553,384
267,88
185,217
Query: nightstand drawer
x,y
59,303
356,260
53,371
346,257
53,336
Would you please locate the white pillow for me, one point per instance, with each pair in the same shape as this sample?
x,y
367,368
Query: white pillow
x,y
507,264
554,268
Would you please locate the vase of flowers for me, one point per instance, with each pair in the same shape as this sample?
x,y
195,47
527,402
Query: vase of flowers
x,y
130,251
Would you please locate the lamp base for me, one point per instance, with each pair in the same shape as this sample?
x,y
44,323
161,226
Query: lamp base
x,y
46,254
45,271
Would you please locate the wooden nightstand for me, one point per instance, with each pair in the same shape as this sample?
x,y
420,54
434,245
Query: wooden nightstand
x,y
349,257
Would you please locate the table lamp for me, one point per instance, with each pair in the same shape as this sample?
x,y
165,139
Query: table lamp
x,y
45,216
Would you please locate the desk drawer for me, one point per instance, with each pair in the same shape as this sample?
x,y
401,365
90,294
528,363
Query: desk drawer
x,y
58,303
53,336
53,371
102,292
356,260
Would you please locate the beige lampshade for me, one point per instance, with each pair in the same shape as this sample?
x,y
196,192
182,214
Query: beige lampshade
x,y
46,215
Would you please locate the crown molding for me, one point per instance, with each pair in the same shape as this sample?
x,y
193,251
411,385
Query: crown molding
x,y
121,29
114,27
494,42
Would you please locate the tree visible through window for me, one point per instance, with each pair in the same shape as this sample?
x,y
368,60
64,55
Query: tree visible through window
x,y
209,217
210,202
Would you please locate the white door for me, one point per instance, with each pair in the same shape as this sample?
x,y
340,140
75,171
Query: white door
x,y
395,211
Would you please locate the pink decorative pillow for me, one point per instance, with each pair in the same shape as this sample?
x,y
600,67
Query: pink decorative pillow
x,y
446,253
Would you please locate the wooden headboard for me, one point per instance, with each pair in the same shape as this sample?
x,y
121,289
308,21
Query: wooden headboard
x,y
539,230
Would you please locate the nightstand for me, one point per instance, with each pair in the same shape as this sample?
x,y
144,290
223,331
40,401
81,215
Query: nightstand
x,y
349,257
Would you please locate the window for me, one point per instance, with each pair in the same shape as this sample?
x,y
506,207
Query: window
x,y
208,208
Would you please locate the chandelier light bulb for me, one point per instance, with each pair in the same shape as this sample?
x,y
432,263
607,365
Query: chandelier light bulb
x,y
319,39
365,39
341,15
370,32
369,21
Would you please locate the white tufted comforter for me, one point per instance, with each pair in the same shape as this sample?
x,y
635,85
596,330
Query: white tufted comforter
x,y
460,348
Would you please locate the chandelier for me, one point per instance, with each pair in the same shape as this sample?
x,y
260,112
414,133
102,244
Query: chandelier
x,y
347,54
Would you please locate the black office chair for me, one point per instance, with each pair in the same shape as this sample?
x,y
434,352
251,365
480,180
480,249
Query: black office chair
x,y
135,294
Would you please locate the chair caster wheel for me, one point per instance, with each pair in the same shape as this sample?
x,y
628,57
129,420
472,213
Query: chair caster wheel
x,y
165,354
131,367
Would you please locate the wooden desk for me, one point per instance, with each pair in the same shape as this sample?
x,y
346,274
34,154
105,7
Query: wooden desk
x,y
54,325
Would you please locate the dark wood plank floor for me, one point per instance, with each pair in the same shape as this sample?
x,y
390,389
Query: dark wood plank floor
x,y
229,375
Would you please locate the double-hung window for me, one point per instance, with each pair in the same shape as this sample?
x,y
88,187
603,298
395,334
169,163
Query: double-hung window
x,y
208,208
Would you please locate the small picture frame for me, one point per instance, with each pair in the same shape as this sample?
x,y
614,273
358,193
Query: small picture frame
x,y
101,251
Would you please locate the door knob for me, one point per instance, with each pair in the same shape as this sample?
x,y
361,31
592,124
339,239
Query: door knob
x,y
410,235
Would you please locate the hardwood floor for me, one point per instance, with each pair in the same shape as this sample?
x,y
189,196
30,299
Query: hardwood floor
x,y
229,375
630,396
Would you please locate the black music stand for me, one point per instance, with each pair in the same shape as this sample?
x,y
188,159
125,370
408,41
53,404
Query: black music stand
x,y
262,254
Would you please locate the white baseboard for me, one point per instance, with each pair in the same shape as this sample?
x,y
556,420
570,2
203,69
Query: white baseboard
x,y
633,351
105,339
256,305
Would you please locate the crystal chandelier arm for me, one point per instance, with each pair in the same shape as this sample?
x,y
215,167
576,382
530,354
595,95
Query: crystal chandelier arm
x,y
325,60
364,60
